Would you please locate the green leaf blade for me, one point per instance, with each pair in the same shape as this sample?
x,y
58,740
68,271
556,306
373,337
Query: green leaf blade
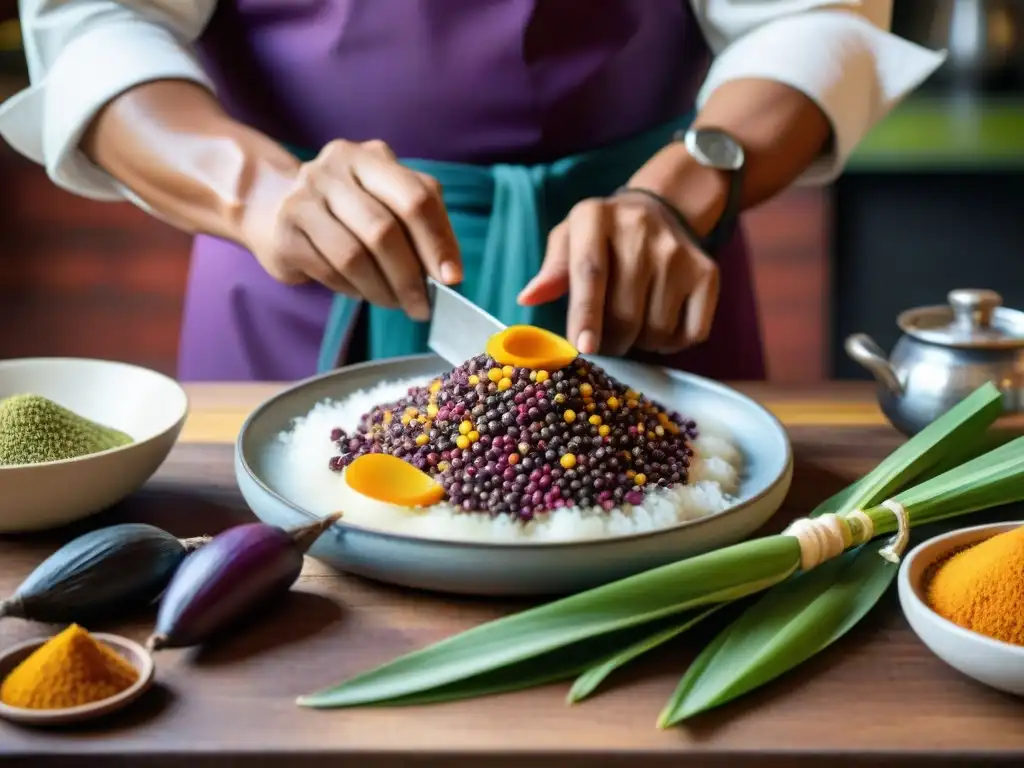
x,y
963,424
554,666
993,479
790,624
589,681
714,577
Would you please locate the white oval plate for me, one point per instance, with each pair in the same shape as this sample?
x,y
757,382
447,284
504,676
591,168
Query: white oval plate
x,y
522,568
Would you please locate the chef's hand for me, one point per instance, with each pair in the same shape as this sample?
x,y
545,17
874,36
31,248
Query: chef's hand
x,y
633,277
360,223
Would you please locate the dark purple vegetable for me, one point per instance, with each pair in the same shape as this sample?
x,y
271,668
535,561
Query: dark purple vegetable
x,y
240,569
115,569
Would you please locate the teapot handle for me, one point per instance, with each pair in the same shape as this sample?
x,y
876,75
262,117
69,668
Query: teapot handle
x,y
863,349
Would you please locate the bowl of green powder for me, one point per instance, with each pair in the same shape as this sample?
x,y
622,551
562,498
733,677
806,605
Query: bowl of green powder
x,y
79,435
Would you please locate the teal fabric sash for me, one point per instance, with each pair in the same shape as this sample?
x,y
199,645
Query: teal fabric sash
x,y
501,215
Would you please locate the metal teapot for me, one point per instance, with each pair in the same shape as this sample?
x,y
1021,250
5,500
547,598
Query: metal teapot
x,y
945,353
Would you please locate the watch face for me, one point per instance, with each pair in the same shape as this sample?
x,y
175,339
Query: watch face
x,y
715,148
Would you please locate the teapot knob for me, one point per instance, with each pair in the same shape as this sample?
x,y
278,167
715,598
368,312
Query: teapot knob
x,y
974,306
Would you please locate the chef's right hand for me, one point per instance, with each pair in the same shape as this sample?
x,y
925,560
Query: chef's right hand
x,y
357,221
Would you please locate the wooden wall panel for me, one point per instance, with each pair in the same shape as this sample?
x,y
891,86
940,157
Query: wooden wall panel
x,y
789,240
78,277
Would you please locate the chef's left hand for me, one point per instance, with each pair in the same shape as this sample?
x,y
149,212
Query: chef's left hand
x,y
633,277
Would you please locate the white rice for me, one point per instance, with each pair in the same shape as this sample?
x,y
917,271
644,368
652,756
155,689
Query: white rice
x,y
303,477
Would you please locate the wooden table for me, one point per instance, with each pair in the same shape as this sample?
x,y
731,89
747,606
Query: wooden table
x,y
877,697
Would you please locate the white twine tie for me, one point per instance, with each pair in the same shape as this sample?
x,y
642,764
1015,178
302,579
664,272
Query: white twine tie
x,y
826,536
820,538
893,549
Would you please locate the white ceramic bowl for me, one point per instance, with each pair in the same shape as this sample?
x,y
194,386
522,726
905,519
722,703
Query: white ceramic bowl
x,y
147,405
992,662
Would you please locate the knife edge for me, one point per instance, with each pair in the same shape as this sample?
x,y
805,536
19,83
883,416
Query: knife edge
x,y
459,329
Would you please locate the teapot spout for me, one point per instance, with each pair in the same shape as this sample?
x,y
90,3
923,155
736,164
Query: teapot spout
x,y
863,349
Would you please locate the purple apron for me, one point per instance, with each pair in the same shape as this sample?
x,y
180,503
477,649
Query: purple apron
x,y
547,78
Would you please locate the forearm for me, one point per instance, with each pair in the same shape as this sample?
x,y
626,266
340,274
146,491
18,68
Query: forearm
x,y
782,132
173,146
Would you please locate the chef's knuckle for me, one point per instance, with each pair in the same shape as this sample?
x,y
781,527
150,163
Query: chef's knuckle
x,y
669,245
708,270
556,236
588,268
290,278
419,203
305,179
338,150
347,258
616,341
632,213
282,264
380,232
587,306
281,238
624,319
336,282
409,288
277,270
377,147
590,208
662,327
638,227
293,207
432,185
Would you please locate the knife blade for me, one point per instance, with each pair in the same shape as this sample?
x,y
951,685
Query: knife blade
x,y
459,329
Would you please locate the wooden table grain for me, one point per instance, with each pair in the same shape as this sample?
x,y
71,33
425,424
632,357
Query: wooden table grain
x,y
878,697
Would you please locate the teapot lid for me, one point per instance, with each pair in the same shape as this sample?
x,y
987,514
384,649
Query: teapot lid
x,y
972,318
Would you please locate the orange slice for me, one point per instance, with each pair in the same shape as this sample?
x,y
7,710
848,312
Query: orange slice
x,y
386,478
527,346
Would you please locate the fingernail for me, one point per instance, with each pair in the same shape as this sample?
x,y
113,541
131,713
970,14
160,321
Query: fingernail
x,y
420,312
587,343
449,273
527,288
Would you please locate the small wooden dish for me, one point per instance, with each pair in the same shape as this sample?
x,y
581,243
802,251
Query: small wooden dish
x,y
129,650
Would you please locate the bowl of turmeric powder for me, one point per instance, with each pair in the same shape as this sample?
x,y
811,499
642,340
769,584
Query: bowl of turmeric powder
x,y
963,595
72,677
79,435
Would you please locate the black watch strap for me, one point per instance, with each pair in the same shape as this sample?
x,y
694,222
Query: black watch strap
x,y
723,229
677,215
720,236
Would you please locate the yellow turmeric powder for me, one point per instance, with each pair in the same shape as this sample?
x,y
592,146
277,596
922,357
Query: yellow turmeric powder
x,y
981,588
69,670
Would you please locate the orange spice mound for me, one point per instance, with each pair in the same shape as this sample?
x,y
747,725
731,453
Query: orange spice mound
x,y
69,670
982,588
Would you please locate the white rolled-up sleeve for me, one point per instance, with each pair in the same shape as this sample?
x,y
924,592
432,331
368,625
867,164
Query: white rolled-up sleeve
x,y
83,53
840,54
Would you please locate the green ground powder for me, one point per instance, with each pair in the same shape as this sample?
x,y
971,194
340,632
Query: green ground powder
x,y
34,429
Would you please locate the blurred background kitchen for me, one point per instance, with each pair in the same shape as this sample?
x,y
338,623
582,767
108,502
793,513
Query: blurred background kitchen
x,y
933,200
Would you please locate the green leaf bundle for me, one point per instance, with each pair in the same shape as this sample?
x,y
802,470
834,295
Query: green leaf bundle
x,y
944,445
808,612
805,614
